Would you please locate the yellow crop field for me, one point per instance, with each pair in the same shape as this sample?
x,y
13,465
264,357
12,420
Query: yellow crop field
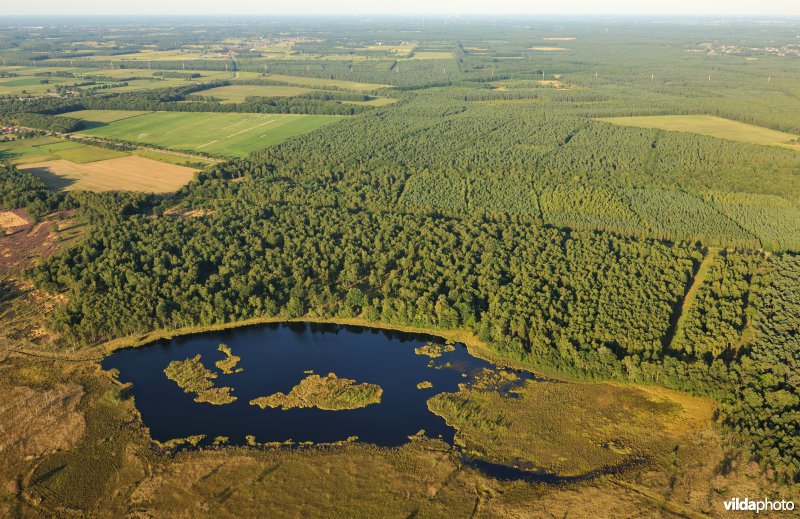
x,y
711,126
131,173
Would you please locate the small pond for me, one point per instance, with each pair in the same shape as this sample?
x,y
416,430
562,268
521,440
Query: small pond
x,y
275,358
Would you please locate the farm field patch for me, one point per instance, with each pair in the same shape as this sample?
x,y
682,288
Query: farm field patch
x,y
27,85
324,83
711,126
238,93
104,116
229,134
40,149
131,173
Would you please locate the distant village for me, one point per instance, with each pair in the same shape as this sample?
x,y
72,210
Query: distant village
x,y
709,49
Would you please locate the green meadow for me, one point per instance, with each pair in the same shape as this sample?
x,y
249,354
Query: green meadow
x,y
227,134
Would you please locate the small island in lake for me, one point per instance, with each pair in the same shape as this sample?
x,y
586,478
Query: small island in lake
x,y
330,393
193,377
228,364
434,350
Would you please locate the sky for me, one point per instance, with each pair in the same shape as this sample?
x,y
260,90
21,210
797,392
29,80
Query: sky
x,y
315,7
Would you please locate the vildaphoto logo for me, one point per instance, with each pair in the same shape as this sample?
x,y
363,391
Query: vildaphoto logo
x,y
758,506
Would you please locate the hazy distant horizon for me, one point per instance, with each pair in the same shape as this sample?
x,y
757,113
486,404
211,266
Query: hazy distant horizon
x,y
408,8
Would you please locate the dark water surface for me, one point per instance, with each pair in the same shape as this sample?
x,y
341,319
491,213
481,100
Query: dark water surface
x,y
274,358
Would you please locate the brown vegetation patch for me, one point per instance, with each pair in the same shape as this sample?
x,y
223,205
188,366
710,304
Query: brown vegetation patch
x,y
550,83
35,422
548,49
353,481
25,245
178,211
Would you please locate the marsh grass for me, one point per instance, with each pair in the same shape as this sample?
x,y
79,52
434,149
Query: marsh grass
x,y
193,377
434,351
228,364
330,393
569,429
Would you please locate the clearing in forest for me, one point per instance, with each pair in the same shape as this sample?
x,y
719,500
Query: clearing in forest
x,y
691,294
131,173
711,126
227,134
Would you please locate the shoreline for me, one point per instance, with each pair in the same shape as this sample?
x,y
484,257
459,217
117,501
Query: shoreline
x,y
475,347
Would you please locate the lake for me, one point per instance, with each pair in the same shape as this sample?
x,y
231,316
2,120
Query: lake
x,y
275,358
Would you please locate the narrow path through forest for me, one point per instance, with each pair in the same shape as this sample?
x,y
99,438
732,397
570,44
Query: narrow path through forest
x,y
688,299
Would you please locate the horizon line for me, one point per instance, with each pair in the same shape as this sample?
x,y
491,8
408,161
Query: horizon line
x,y
421,14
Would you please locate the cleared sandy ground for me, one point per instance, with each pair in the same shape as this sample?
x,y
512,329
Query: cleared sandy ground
x,y
10,219
131,173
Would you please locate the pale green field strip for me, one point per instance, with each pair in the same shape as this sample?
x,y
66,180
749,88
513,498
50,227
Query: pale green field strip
x,y
323,83
711,126
104,116
229,134
170,158
40,149
238,93
145,72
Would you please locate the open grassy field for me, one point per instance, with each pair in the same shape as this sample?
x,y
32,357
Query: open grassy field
x,y
104,116
238,93
130,173
711,126
40,149
28,84
324,83
228,134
